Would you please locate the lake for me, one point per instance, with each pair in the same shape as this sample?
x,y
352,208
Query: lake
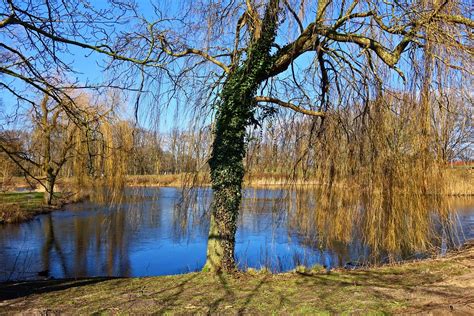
x,y
155,233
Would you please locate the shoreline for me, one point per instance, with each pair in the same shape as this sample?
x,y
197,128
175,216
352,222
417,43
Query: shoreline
x,y
273,186
435,285
17,212
21,207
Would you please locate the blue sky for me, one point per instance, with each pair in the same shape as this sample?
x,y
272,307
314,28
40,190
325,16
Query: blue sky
x,y
87,64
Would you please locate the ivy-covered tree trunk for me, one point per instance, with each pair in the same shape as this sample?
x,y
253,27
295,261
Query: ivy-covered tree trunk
x,y
235,113
227,171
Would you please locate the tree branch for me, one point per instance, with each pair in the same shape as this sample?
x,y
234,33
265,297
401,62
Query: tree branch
x,y
295,16
457,19
6,21
191,51
308,39
100,49
289,106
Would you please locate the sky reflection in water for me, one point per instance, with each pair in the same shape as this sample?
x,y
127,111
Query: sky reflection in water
x,y
152,237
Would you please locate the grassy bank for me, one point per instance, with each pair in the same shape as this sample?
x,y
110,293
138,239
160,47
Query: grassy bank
x,y
434,286
459,181
17,207
261,180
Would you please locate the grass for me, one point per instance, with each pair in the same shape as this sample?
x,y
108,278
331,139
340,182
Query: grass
x,y
21,206
24,199
436,285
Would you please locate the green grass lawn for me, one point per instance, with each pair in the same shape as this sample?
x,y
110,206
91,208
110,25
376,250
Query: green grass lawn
x,y
24,199
19,206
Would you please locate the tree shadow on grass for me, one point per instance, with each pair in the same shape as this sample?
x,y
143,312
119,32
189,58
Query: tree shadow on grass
x,y
253,294
228,296
243,293
13,290
396,286
169,301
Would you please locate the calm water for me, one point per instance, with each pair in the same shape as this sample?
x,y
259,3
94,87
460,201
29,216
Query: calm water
x,y
155,237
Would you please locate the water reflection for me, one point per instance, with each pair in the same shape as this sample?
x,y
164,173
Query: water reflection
x,y
156,233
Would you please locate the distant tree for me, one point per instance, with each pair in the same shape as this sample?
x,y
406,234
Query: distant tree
x,y
51,144
15,141
147,152
35,42
453,126
55,141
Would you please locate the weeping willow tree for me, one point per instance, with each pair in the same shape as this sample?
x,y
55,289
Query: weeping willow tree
x,y
361,177
97,151
249,59
49,145
373,179
103,154
330,40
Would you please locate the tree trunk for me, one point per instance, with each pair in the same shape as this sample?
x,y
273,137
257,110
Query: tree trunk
x,y
235,113
227,172
50,181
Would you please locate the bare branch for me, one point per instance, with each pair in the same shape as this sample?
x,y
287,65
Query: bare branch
x,y
457,19
295,16
103,49
289,106
6,21
192,51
